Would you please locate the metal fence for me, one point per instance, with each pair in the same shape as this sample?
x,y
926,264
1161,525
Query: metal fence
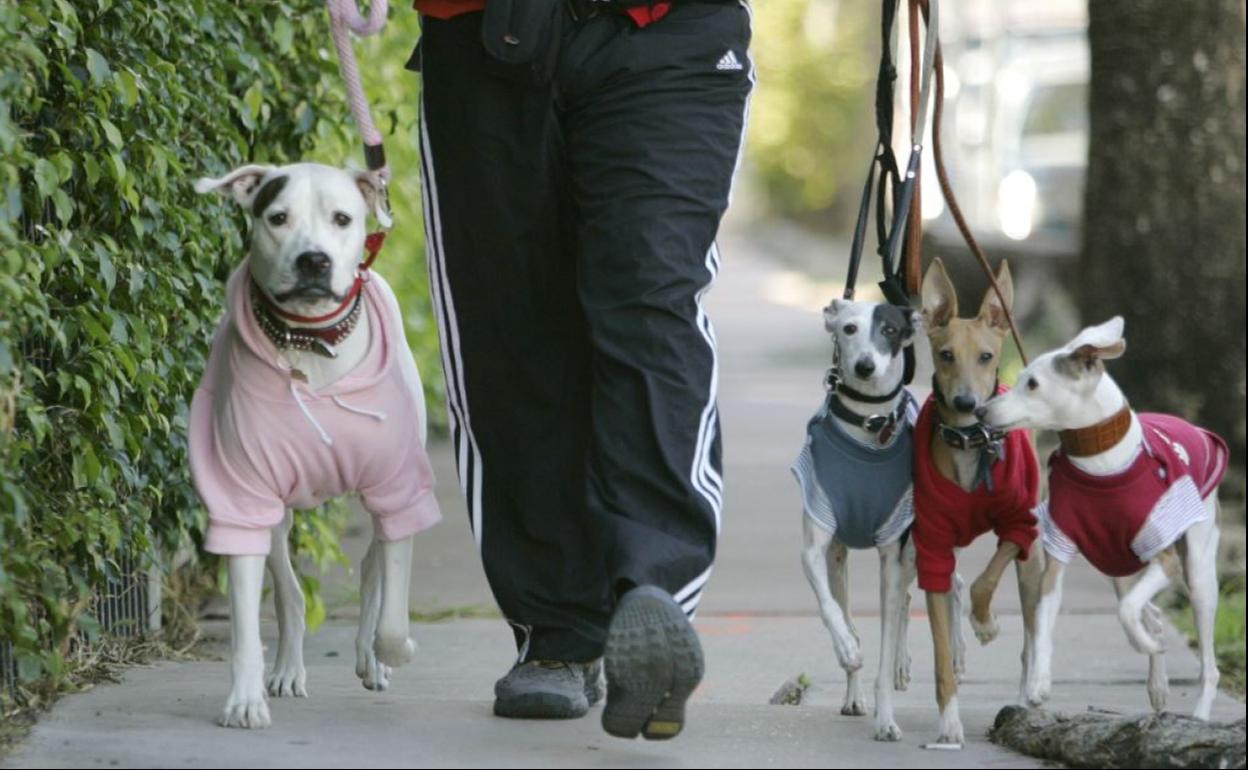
x,y
126,605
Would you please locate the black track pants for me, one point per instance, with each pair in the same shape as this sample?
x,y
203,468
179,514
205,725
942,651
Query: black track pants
x,y
571,233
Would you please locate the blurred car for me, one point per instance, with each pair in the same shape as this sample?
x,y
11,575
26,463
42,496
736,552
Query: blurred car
x,y
1015,132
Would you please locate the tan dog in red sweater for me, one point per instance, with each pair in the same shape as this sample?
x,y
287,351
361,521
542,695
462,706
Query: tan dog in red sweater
x,y
970,480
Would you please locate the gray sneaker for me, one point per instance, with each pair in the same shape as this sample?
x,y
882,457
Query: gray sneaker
x,y
549,689
653,663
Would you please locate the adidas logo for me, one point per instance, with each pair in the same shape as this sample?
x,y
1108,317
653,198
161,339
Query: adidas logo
x,y
729,62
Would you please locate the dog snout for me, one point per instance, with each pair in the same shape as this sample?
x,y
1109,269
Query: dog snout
x,y
964,403
865,367
313,264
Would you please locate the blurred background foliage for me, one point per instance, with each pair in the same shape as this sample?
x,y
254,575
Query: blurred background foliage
x,y
811,121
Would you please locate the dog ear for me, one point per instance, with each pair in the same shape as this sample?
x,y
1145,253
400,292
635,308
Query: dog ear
x,y
1098,343
939,300
831,311
243,183
373,189
913,322
991,309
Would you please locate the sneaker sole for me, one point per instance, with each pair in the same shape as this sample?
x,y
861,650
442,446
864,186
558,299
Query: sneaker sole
x,y
653,664
539,705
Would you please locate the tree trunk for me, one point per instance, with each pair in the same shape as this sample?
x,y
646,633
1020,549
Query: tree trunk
x,y
1164,236
1105,741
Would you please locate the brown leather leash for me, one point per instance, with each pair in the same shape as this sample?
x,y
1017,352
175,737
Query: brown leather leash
x,y
913,254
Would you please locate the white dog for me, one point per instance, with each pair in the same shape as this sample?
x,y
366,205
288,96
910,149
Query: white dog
x,y
855,475
310,393
1127,491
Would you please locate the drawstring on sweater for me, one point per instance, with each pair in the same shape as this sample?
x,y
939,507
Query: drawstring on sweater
x,y
378,416
307,413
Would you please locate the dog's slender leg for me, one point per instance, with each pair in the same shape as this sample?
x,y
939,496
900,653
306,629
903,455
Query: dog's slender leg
x,y
288,677
938,613
983,621
246,706
816,543
395,647
1131,608
901,675
1040,674
1030,573
374,674
957,631
891,588
1202,584
838,571
1158,682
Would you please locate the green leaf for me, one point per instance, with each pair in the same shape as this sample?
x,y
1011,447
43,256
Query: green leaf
x,y
97,65
47,178
127,88
108,273
112,133
283,34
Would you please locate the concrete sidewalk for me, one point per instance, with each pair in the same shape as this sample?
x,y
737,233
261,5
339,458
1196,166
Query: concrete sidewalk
x,y
757,621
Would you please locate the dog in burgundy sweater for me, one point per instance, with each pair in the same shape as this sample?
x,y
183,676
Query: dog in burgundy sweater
x,y
1130,491
969,481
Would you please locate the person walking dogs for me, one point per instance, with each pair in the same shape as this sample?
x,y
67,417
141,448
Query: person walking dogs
x,y
577,158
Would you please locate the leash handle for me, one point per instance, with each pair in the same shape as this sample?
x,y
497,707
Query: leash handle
x,y
898,234
345,15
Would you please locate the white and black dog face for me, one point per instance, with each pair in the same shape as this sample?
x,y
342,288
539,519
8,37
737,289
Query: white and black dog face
x,y
1057,391
871,337
308,227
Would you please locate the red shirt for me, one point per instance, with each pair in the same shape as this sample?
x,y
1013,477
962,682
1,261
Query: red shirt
x,y
947,516
1119,522
445,9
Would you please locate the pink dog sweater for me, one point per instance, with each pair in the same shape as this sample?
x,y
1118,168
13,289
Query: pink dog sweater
x,y
1119,522
262,441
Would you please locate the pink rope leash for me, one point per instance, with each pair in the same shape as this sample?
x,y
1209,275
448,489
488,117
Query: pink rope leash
x,y
344,14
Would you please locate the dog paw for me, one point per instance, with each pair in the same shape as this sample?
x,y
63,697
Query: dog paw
x,y
854,706
1157,694
288,680
848,654
373,674
246,709
1037,693
985,631
901,674
246,706
887,732
1139,637
951,725
395,650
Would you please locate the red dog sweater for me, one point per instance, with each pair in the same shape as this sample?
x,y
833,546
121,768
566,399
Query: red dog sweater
x,y
948,517
1121,521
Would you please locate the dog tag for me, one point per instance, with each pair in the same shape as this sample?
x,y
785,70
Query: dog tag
x,y
885,434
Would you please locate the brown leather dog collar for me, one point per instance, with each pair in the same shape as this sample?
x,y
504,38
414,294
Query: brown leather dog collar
x,y
1094,439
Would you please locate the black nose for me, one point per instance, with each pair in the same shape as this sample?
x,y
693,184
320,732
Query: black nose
x,y
964,404
865,367
313,264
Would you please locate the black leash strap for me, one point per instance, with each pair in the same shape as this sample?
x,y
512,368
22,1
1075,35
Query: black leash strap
x,y
895,187
890,232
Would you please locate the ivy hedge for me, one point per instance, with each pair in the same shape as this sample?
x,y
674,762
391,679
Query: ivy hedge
x,y
112,270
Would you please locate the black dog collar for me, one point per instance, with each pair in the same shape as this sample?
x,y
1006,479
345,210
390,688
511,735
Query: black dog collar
x,y
882,425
